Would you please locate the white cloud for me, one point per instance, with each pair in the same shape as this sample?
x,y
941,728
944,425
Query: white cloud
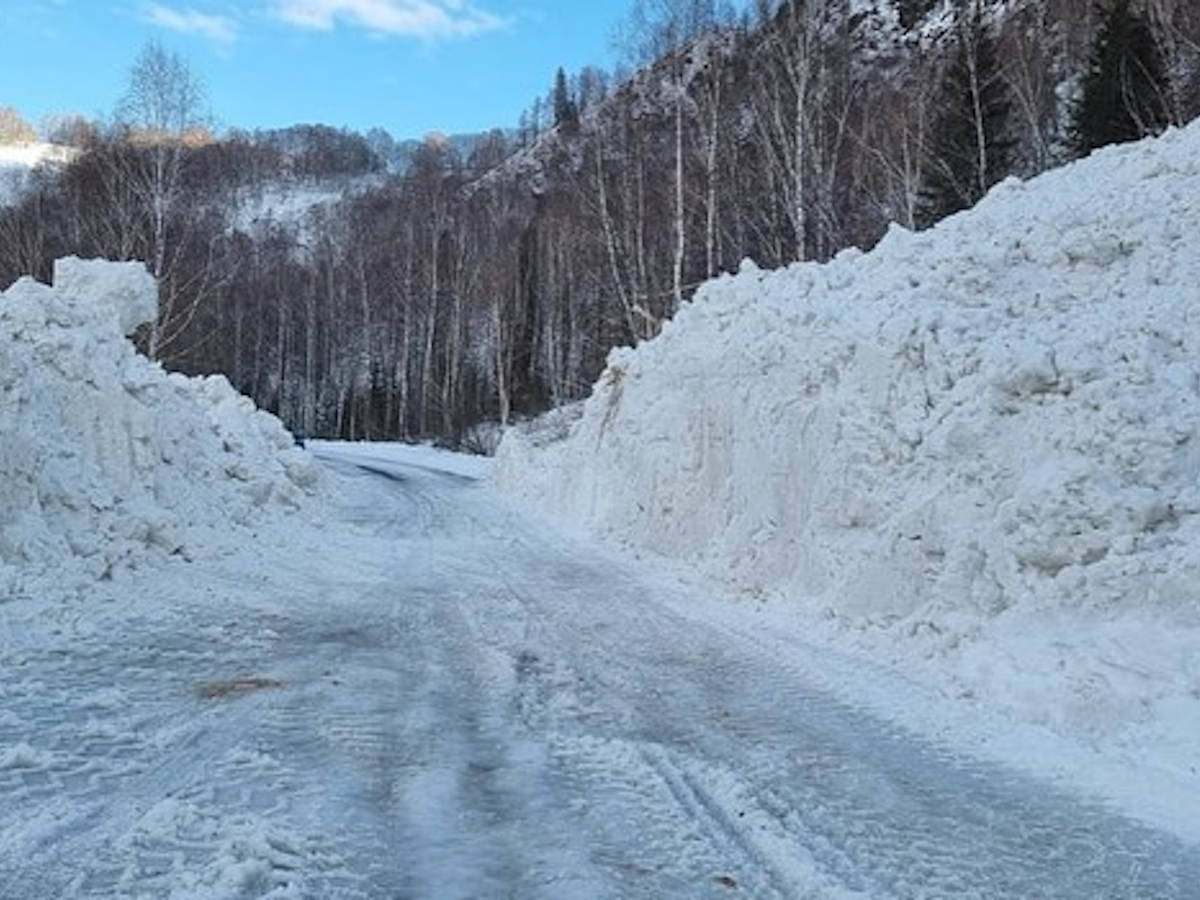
x,y
221,29
426,19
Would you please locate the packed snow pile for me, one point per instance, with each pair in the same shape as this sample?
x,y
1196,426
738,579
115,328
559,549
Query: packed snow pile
x,y
107,460
976,448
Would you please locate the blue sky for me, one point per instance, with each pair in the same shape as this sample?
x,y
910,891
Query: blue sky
x,y
411,66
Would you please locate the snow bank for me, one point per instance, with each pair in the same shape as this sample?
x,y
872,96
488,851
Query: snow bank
x,y
105,459
976,448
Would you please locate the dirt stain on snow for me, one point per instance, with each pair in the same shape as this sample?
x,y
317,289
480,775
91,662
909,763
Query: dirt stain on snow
x,y
228,689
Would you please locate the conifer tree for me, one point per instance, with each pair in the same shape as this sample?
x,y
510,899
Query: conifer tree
x,y
566,113
1125,87
968,150
911,12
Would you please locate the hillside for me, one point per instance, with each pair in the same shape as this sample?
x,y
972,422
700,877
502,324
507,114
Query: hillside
x,y
486,279
972,451
19,161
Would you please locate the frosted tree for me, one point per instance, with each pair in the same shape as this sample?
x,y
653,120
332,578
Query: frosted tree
x,y
1031,47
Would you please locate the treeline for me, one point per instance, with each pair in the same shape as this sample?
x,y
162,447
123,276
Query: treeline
x,y
472,288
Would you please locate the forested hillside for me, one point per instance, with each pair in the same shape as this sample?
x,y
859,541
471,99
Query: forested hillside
x,y
362,299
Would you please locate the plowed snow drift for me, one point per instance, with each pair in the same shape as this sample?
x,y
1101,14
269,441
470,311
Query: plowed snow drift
x,y
106,460
975,449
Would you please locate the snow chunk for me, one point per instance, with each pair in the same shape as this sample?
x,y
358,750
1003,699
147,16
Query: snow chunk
x,y
22,756
126,291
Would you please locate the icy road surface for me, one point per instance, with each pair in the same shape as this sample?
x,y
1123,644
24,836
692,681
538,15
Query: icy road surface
x,y
434,697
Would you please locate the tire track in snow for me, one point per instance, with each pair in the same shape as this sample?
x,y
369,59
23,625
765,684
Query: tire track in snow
x,y
941,821
150,786
743,850
746,832
878,809
638,829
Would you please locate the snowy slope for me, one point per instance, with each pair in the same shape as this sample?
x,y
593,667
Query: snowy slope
x,y
295,204
18,162
30,155
105,459
974,451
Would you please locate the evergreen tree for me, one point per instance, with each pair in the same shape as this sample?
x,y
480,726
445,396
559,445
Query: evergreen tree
x,y
1125,88
566,113
911,12
968,150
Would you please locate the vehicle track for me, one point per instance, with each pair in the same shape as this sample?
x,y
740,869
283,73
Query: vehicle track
x,y
137,778
878,809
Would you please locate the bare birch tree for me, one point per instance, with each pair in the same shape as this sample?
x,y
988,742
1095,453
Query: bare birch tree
x,y
161,105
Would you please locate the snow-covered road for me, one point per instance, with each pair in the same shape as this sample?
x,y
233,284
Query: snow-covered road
x,y
434,696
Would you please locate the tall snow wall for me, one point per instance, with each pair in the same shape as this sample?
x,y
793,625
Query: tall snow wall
x,y
106,460
998,413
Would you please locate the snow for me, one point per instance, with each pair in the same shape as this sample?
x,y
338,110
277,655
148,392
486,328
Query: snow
x,y
108,461
973,453
282,202
298,205
459,699
34,154
423,456
22,756
17,162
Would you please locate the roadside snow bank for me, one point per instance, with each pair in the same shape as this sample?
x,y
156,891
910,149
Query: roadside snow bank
x,y
975,449
105,459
